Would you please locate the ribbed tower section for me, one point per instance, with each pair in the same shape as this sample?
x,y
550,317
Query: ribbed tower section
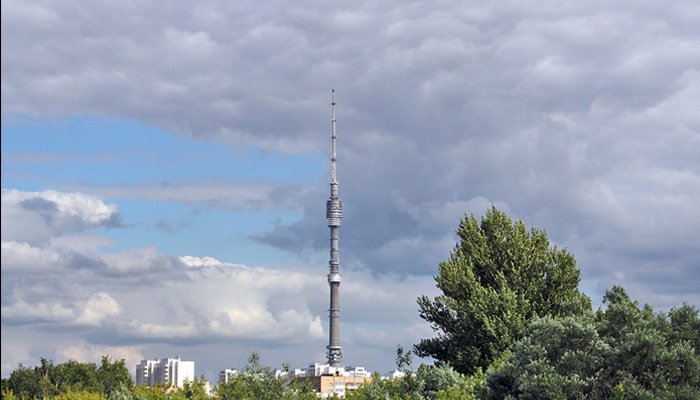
x,y
334,214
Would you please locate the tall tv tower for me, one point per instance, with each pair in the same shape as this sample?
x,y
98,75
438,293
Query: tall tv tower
x,y
334,214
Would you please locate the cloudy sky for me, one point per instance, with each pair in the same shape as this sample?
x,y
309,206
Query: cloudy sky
x,y
164,166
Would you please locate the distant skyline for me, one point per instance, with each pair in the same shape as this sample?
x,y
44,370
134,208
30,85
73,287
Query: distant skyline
x,y
165,169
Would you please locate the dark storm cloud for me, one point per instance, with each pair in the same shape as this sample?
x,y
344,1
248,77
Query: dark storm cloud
x,y
577,117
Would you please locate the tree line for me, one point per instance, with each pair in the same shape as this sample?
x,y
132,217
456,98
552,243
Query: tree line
x,y
510,323
69,380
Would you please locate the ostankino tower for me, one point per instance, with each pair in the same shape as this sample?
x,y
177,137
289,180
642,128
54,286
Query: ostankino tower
x,y
334,214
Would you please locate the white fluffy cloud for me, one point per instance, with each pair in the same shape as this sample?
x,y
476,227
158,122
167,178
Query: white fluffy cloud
x,y
35,217
20,257
99,307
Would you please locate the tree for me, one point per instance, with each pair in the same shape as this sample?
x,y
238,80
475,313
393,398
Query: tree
x,y
71,378
7,394
258,382
622,352
443,382
122,391
113,374
5,387
652,356
195,390
408,386
142,392
24,382
376,389
557,359
75,376
497,279
429,382
685,326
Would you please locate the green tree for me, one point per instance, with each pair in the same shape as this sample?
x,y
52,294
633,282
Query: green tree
x,y
442,381
466,388
380,389
47,385
142,392
8,394
258,382
121,391
685,326
652,356
24,382
497,279
622,352
429,382
71,378
408,386
4,385
557,359
76,377
195,390
113,374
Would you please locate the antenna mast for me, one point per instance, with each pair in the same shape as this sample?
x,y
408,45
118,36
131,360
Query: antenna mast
x,y
333,157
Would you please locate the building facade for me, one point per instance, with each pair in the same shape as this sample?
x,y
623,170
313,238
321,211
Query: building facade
x,y
331,381
164,371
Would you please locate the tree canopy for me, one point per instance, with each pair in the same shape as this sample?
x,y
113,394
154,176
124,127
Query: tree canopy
x,y
50,380
497,279
624,352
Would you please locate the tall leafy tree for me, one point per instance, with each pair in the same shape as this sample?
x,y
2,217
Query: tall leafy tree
x,y
113,374
24,382
498,277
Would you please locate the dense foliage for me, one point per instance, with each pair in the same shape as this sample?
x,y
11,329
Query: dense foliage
x,y
429,382
72,378
623,352
259,382
497,279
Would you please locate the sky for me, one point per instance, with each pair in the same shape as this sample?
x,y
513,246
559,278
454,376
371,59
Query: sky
x,y
165,166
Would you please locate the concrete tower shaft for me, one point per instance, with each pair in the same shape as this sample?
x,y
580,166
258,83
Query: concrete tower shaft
x,y
334,215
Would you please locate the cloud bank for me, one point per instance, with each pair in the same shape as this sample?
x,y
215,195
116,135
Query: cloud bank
x,y
579,118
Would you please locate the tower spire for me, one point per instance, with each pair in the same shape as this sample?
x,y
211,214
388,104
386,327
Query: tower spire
x,y
334,214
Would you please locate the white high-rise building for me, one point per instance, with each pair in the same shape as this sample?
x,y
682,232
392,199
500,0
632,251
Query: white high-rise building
x,y
166,372
144,372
